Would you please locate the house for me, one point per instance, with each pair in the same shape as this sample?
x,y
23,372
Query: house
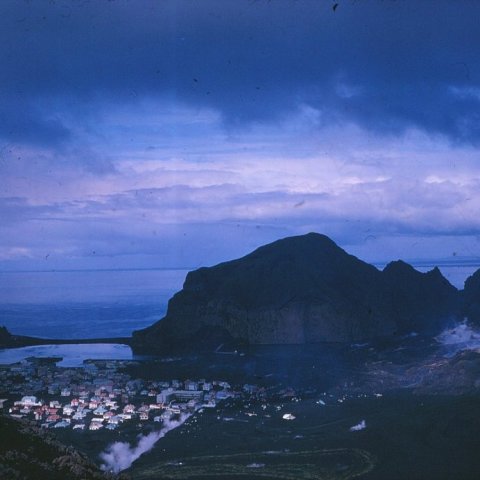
x,y
62,424
185,395
166,396
99,410
115,420
223,394
30,401
68,410
79,415
191,385
53,418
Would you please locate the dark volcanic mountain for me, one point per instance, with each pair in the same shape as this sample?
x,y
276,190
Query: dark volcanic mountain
x,y
471,298
301,289
418,301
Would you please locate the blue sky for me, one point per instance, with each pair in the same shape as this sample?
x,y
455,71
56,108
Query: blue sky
x,y
141,134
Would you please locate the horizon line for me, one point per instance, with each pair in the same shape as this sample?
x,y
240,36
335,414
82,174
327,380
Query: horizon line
x,y
126,269
378,264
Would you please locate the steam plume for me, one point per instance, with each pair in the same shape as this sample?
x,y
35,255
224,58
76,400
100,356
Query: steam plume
x,y
120,455
462,337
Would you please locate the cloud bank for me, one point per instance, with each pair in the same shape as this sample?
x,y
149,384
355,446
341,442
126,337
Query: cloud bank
x,y
149,133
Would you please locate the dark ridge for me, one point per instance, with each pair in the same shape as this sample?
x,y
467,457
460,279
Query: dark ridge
x,y
9,340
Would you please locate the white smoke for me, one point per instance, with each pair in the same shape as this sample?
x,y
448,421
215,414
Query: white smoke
x,y
461,337
359,426
120,455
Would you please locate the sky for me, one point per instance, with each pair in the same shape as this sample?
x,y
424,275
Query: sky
x,y
178,134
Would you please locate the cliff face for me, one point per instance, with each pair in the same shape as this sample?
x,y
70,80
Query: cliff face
x,y
302,289
471,298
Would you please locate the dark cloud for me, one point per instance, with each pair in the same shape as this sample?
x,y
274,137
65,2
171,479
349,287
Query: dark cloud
x,y
21,122
387,66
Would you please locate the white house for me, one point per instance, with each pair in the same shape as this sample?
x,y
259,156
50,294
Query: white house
x,y
30,401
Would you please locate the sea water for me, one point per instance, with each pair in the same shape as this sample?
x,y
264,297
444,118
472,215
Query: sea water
x,y
71,355
85,304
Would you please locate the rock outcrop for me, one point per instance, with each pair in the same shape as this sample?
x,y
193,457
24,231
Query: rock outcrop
x,y
299,290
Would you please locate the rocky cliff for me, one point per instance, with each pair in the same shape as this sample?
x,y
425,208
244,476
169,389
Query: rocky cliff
x,y
471,298
301,289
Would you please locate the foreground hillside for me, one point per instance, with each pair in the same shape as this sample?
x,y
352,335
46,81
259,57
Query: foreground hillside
x,y
300,290
27,452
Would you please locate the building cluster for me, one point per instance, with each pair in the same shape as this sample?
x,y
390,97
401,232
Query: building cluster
x,y
100,396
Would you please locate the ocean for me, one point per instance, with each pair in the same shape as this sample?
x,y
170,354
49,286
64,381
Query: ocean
x,y
85,304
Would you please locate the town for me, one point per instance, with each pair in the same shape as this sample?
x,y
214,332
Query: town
x,y
101,396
